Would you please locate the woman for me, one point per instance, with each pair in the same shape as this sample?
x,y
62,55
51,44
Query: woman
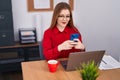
x,y
56,41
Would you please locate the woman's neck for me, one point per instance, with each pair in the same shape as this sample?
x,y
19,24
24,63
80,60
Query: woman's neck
x,y
60,28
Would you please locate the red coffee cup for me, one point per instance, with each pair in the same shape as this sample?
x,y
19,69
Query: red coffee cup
x,y
52,65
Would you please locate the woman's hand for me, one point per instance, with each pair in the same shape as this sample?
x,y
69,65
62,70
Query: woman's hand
x,y
77,44
66,45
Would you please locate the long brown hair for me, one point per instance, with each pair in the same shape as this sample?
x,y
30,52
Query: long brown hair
x,y
60,6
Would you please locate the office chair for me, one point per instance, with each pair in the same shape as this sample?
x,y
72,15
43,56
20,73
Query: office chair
x,y
41,51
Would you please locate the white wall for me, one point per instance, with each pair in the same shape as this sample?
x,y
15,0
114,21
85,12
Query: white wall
x,y
24,19
98,21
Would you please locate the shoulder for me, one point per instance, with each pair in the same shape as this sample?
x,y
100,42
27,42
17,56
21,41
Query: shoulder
x,y
48,31
74,29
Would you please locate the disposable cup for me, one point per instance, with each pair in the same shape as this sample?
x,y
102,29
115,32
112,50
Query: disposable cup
x,y
52,65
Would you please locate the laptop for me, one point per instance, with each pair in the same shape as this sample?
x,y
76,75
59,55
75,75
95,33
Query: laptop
x,y
76,58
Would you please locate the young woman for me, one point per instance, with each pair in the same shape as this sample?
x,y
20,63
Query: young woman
x,y
56,41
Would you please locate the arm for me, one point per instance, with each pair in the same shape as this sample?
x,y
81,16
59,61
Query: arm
x,y
49,51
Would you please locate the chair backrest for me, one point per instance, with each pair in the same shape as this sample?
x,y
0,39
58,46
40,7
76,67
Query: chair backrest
x,y
41,51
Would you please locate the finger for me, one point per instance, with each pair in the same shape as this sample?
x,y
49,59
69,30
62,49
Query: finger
x,y
70,41
74,43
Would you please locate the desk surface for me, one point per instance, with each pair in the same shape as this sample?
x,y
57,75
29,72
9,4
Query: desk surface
x,y
38,70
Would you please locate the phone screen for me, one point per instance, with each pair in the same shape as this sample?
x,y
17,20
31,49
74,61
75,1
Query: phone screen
x,y
74,36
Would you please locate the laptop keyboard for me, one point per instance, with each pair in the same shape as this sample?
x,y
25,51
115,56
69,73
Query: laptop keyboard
x,y
64,63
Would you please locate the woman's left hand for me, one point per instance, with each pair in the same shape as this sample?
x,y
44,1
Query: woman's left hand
x,y
77,44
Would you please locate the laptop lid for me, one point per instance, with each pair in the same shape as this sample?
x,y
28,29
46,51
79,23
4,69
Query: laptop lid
x,y
76,58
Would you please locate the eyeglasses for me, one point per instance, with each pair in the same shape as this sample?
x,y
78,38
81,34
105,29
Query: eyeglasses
x,y
63,17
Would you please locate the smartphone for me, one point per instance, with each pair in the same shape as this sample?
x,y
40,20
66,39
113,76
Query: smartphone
x,y
74,36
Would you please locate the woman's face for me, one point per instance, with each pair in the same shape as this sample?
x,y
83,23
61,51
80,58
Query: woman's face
x,y
63,18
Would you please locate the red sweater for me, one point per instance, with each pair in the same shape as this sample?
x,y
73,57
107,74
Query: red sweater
x,y
52,38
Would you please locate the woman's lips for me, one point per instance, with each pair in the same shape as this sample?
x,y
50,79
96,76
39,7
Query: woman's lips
x,y
63,22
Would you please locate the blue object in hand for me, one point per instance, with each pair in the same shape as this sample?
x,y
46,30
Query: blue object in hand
x,y
74,36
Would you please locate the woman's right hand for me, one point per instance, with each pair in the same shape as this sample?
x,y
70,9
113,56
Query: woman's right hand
x,y
66,45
